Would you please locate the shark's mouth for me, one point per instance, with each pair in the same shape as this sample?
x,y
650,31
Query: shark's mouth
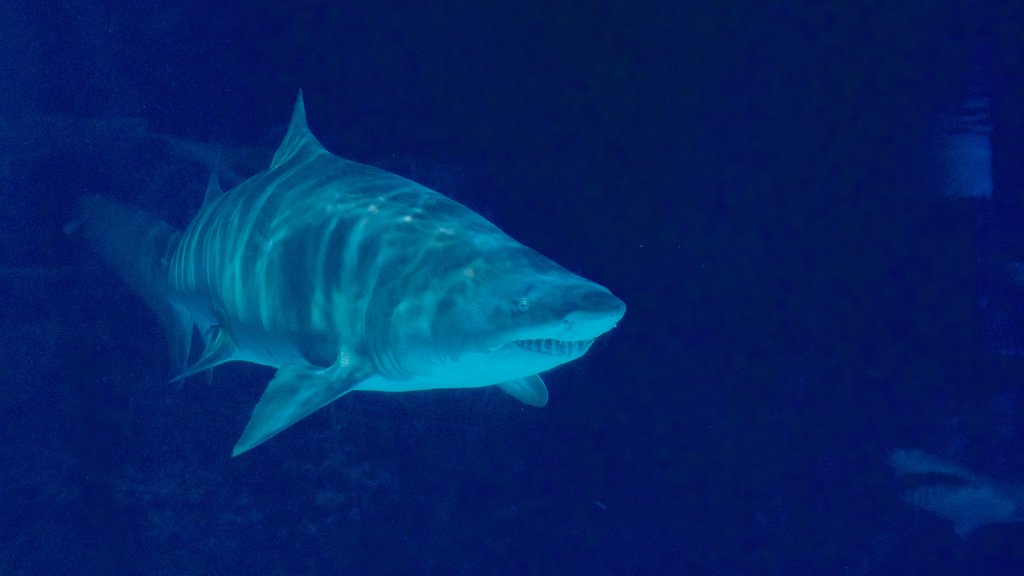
x,y
553,347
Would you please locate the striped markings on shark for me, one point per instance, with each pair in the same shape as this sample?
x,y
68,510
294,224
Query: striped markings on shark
x,y
945,489
347,277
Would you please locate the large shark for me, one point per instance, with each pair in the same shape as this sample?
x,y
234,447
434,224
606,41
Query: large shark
x,y
347,277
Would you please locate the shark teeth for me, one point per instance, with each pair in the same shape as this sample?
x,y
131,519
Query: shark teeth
x,y
555,347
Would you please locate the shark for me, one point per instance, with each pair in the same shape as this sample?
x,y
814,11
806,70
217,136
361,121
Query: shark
x,y
345,277
946,489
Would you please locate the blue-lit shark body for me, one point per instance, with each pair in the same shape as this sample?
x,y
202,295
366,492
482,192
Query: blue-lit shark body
x,y
347,277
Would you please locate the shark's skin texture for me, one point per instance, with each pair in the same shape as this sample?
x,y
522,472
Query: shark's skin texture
x,y
968,500
347,277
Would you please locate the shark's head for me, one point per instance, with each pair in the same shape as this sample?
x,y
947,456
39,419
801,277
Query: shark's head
x,y
506,315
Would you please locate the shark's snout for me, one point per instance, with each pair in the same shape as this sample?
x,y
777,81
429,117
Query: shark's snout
x,y
594,312
604,303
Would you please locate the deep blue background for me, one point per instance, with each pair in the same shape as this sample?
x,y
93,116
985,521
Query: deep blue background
x,y
757,183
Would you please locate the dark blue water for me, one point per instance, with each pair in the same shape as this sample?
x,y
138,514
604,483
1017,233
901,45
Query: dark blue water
x,y
766,188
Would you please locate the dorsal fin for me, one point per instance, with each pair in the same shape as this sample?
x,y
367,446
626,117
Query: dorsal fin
x,y
299,141
213,189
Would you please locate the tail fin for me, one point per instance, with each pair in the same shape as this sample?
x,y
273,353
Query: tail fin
x,y
139,246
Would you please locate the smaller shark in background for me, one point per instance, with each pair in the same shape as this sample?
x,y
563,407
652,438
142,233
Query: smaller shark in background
x,y
945,489
347,277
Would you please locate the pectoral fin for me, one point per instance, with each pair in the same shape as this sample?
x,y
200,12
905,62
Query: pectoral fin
x,y
296,391
530,390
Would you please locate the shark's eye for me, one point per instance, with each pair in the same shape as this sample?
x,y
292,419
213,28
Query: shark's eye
x,y
523,305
